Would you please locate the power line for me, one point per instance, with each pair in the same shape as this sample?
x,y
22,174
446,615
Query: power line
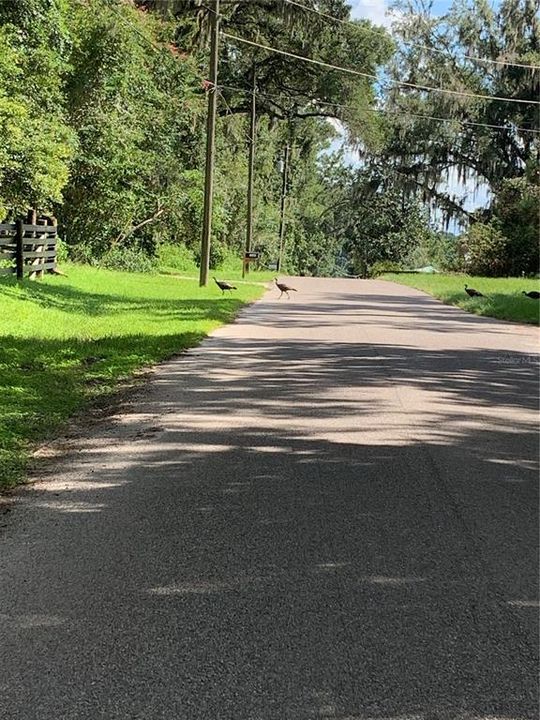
x,y
230,112
407,42
299,57
350,71
386,112
158,48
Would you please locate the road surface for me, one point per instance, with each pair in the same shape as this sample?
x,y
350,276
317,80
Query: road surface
x,y
327,510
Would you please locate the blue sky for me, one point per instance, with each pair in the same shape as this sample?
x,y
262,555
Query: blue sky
x,y
375,10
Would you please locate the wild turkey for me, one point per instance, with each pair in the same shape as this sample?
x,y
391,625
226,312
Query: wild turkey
x,y
472,292
284,288
222,285
532,294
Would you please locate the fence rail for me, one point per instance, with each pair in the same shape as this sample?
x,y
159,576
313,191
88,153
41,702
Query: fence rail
x,y
27,249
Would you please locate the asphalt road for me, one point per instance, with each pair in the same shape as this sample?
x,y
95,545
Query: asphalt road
x,y
327,510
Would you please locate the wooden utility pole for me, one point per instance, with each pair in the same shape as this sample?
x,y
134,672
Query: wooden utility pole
x,y
210,146
282,206
251,167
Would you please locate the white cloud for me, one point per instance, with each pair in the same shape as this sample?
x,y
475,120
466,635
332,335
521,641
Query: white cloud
x,y
374,10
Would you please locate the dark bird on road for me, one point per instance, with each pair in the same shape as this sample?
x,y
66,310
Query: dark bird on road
x,y
532,294
472,292
284,288
222,285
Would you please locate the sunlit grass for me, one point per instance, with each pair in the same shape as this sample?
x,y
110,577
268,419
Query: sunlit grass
x,y
503,296
229,272
66,341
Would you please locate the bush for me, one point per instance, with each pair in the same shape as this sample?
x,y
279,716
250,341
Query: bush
x,y
177,257
82,253
485,251
218,254
384,266
439,249
62,251
517,210
127,259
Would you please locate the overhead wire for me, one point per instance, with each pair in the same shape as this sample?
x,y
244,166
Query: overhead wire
x,y
230,112
358,73
385,112
408,42
158,48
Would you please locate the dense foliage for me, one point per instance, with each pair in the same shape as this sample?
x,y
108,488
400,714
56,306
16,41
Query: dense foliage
x,y
102,123
36,141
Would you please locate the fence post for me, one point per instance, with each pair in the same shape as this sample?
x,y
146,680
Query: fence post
x,y
55,225
19,237
38,248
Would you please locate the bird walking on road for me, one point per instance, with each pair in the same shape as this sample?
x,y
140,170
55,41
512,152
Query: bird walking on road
x,y
472,292
532,294
284,288
222,285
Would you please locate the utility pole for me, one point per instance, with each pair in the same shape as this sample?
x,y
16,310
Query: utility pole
x,y
282,207
210,146
251,167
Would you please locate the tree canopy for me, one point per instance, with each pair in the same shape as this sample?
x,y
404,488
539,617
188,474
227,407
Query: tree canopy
x,y
481,55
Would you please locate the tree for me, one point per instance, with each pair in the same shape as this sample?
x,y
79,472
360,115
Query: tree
x,y
376,221
36,143
138,116
290,88
504,239
441,249
516,210
422,149
485,250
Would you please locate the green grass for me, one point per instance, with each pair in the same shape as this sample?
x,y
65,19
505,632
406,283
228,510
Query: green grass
x,y
68,341
176,260
503,296
229,272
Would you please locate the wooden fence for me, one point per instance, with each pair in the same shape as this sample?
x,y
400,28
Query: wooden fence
x,y
27,249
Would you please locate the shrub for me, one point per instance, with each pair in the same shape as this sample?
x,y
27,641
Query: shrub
x,y
127,259
439,249
516,208
62,251
175,256
485,250
218,253
384,266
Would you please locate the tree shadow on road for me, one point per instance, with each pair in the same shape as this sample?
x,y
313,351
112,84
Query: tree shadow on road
x,y
274,533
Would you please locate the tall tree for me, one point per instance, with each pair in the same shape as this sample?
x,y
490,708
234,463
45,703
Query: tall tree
x,y
36,143
290,88
136,107
374,220
473,50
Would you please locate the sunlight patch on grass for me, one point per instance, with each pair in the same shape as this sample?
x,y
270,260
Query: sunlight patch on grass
x,y
66,341
503,298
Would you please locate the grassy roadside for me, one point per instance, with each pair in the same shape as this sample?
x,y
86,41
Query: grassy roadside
x,y
66,341
231,271
176,260
503,296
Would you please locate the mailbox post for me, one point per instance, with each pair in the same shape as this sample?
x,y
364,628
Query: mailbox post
x,y
249,257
